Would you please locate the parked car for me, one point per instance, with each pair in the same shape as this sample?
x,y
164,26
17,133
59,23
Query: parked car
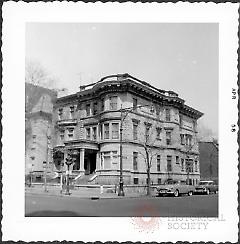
x,y
175,188
206,187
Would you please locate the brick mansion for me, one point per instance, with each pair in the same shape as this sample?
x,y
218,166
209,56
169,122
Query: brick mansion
x,y
90,122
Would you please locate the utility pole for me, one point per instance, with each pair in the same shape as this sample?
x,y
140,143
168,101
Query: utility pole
x,y
121,192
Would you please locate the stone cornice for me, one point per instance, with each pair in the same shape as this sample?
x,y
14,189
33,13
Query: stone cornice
x,y
127,83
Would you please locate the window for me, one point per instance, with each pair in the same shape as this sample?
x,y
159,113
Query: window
x,y
168,117
135,161
159,133
182,164
88,133
70,133
115,130
61,135
147,130
182,139
107,160
101,131
60,113
106,131
94,133
158,163
88,109
135,131
189,165
113,103
34,138
135,102
168,137
95,108
71,112
135,181
180,121
102,104
188,140
177,159
157,110
196,166
159,181
114,157
169,163
194,125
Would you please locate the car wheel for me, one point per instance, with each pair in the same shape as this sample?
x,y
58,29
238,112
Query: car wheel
x,y
160,194
190,193
207,192
176,193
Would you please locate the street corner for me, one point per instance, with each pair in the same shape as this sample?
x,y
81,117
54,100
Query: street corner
x,y
145,220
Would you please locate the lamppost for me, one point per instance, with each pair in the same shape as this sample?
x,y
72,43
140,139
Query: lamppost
x,y
123,116
69,161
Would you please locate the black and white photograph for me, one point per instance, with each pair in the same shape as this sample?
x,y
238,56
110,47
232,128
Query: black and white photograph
x,y
118,117
122,116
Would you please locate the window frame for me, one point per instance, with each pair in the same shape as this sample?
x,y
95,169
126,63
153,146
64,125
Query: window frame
x,y
88,133
169,163
108,126
88,109
168,139
115,133
135,161
158,163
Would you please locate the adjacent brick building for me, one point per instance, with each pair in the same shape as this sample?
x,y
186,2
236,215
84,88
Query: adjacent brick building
x,y
89,121
38,127
208,159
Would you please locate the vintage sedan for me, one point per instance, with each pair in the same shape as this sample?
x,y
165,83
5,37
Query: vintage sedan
x,y
206,187
175,188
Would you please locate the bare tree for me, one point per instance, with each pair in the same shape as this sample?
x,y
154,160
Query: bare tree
x,y
205,133
147,140
36,74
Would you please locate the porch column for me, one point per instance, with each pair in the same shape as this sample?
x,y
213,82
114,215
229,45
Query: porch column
x,y
81,163
98,161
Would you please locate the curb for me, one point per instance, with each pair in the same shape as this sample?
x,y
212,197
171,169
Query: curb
x,y
87,197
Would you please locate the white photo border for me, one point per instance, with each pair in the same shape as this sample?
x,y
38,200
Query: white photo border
x,y
17,227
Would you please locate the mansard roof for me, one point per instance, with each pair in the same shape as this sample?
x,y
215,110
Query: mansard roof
x,y
128,83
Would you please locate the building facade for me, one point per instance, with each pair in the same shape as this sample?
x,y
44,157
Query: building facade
x,y
156,124
208,158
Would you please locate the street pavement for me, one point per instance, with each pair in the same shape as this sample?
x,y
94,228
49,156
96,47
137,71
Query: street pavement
x,y
89,202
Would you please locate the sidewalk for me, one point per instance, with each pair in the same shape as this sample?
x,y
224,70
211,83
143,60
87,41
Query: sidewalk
x,y
87,193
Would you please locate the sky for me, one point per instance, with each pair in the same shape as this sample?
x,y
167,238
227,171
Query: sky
x,y
182,57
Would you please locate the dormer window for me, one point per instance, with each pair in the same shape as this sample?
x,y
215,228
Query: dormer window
x,y
135,104
88,109
168,117
113,102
